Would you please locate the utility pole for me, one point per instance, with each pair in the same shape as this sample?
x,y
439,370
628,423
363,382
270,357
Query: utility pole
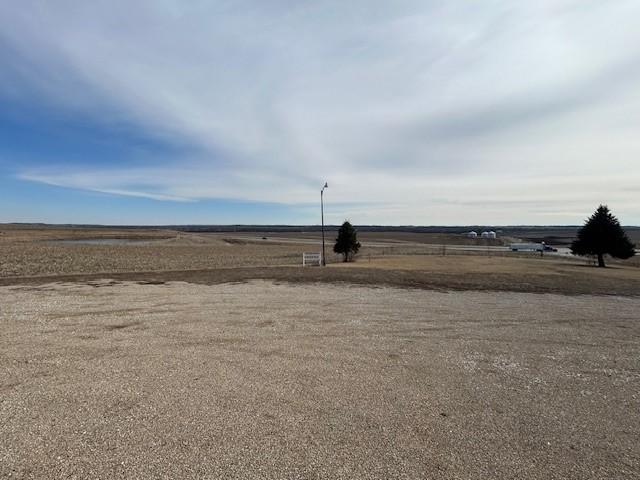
x,y
324,262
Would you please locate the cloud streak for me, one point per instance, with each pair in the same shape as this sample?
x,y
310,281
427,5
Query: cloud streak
x,y
407,103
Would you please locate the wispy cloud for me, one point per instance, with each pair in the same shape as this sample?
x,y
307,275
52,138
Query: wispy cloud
x,y
90,182
405,102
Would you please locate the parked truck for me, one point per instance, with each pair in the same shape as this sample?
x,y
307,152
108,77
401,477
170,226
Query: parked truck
x,y
532,247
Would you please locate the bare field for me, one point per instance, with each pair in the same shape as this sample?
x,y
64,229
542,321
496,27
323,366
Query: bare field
x,y
120,380
42,252
40,255
394,238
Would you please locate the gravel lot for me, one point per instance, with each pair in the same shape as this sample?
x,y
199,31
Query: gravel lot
x,y
264,380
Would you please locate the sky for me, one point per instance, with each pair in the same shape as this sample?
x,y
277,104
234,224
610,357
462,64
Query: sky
x,y
416,112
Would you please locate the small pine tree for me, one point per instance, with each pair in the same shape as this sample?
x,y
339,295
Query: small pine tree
x,y
347,242
601,235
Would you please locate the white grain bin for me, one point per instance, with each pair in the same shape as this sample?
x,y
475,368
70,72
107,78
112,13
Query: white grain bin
x,y
492,234
472,234
484,235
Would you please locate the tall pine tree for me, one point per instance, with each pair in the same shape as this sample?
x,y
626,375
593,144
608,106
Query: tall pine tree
x,y
347,242
602,235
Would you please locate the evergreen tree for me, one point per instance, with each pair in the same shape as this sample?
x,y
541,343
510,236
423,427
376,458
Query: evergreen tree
x,y
347,242
601,235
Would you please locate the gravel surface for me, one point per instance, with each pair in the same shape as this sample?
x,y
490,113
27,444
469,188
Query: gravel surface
x,y
263,380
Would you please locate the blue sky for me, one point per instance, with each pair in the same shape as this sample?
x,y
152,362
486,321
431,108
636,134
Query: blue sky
x,y
415,112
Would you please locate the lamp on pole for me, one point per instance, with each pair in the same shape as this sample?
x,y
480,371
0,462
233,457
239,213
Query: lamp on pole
x,y
324,262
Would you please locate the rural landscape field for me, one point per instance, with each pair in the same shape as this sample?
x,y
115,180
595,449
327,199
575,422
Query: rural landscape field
x,y
319,240
156,353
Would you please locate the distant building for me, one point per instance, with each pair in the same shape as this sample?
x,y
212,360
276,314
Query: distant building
x,y
489,234
484,235
472,234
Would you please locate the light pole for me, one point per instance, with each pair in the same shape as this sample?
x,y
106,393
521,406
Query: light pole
x,y
324,262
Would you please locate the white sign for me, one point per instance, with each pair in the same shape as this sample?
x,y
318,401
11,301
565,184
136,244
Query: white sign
x,y
311,258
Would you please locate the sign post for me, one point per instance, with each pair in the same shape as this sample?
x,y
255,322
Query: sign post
x,y
311,258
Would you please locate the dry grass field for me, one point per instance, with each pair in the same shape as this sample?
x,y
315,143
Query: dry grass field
x,y
36,255
160,354
38,251
52,252
547,274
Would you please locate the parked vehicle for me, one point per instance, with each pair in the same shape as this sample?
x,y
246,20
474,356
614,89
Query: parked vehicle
x,y
532,247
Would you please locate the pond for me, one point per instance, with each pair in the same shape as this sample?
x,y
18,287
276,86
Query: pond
x,y
106,241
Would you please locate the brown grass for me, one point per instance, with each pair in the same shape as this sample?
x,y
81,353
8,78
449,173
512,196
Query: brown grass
x,y
530,264
28,256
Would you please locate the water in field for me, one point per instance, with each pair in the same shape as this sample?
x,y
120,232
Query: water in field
x,y
106,241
